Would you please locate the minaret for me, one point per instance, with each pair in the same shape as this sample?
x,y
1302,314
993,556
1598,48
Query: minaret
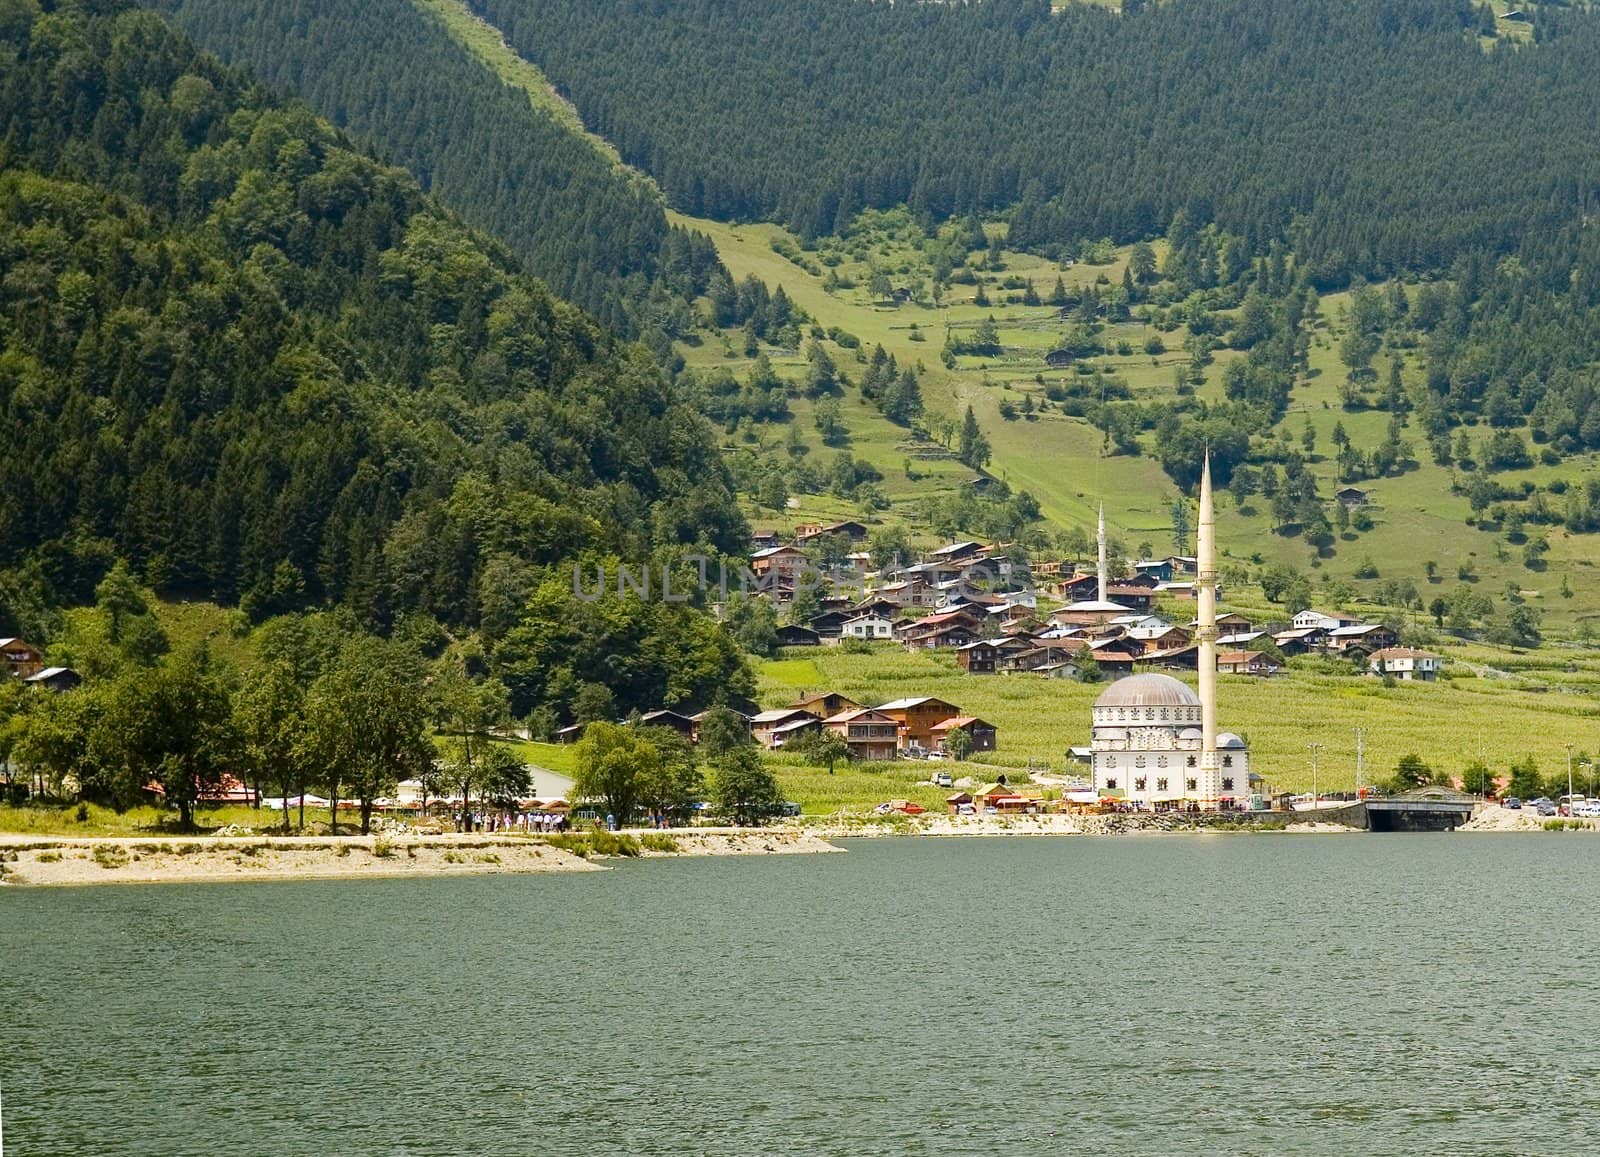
x,y
1206,636
1102,542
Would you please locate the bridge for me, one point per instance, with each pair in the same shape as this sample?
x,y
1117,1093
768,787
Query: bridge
x,y
1427,809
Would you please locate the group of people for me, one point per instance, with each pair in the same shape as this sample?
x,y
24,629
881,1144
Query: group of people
x,y
542,822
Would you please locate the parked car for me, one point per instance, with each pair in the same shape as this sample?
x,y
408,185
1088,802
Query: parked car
x,y
942,779
1512,803
1546,808
1588,809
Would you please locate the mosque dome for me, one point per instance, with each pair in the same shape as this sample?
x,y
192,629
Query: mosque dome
x,y
1148,690
1228,739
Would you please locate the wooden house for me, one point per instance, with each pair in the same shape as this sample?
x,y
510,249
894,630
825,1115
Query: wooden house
x,y
868,734
983,734
916,717
21,659
824,704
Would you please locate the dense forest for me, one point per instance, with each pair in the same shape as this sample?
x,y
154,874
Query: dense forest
x,y
393,77
1374,135
261,367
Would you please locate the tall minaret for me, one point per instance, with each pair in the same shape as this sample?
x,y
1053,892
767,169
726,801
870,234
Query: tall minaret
x,y
1102,542
1206,591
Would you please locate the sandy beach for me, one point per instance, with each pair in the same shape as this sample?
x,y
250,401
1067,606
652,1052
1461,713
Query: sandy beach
x,y
47,861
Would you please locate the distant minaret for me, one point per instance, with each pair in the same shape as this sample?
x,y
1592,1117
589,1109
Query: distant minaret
x,y
1206,636
1102,541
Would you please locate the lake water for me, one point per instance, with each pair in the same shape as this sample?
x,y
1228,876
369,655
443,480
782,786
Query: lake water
x,y
1208,994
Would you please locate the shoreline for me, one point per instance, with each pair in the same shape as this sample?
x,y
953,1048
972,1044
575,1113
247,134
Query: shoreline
x,y
28,861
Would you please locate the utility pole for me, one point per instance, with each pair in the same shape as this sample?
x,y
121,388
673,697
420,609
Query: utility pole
x,y
1568,746
1361,735
1314,747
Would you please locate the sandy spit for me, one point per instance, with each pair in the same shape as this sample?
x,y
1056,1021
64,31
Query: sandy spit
x,y
46,861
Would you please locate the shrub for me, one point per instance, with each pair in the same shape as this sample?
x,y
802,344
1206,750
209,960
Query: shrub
x,y
658,842
382,848
606,843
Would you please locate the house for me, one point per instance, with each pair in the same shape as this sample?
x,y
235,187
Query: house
x,y
917,716
698,718
682,724
851,529
1315,618
1058,359
860,561
767,727
956,553
1246,663
21,659
1232,623
961,799
786,733
1351,496
1185,657
1000,798
915,591
1406,663
763,539
55,679
1367,637
1160,637
1159,569
1115,656
983,734
823,704
828,624
794,636
1144,581
1301,640
946,629
1043,655
782,561
571,733
947,635
877,605
1239,641
978,657
1077,587
1133,597
871,628
869,734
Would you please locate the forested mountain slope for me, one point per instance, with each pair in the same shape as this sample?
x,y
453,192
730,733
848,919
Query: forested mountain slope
x,y
1374,135
258,365
394,77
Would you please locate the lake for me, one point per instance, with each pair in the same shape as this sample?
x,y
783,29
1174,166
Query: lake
x,y
1205,994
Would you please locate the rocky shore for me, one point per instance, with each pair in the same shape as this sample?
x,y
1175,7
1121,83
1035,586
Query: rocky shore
x,y
45,861
1114,824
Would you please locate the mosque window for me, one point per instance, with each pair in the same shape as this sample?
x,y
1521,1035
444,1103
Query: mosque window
x,y
1138,761
1163,714
1150,713
1189,784
1161,761
1161,785
1227,783
1111,784
1190,761
1138,785
1111,761
1227,761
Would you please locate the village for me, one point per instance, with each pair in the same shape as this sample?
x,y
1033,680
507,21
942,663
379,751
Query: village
x,y
978,601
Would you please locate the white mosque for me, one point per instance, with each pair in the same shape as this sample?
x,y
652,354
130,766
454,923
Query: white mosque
x,y
1154,740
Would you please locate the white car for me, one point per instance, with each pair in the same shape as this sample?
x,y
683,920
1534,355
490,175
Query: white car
x,y
1588,809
